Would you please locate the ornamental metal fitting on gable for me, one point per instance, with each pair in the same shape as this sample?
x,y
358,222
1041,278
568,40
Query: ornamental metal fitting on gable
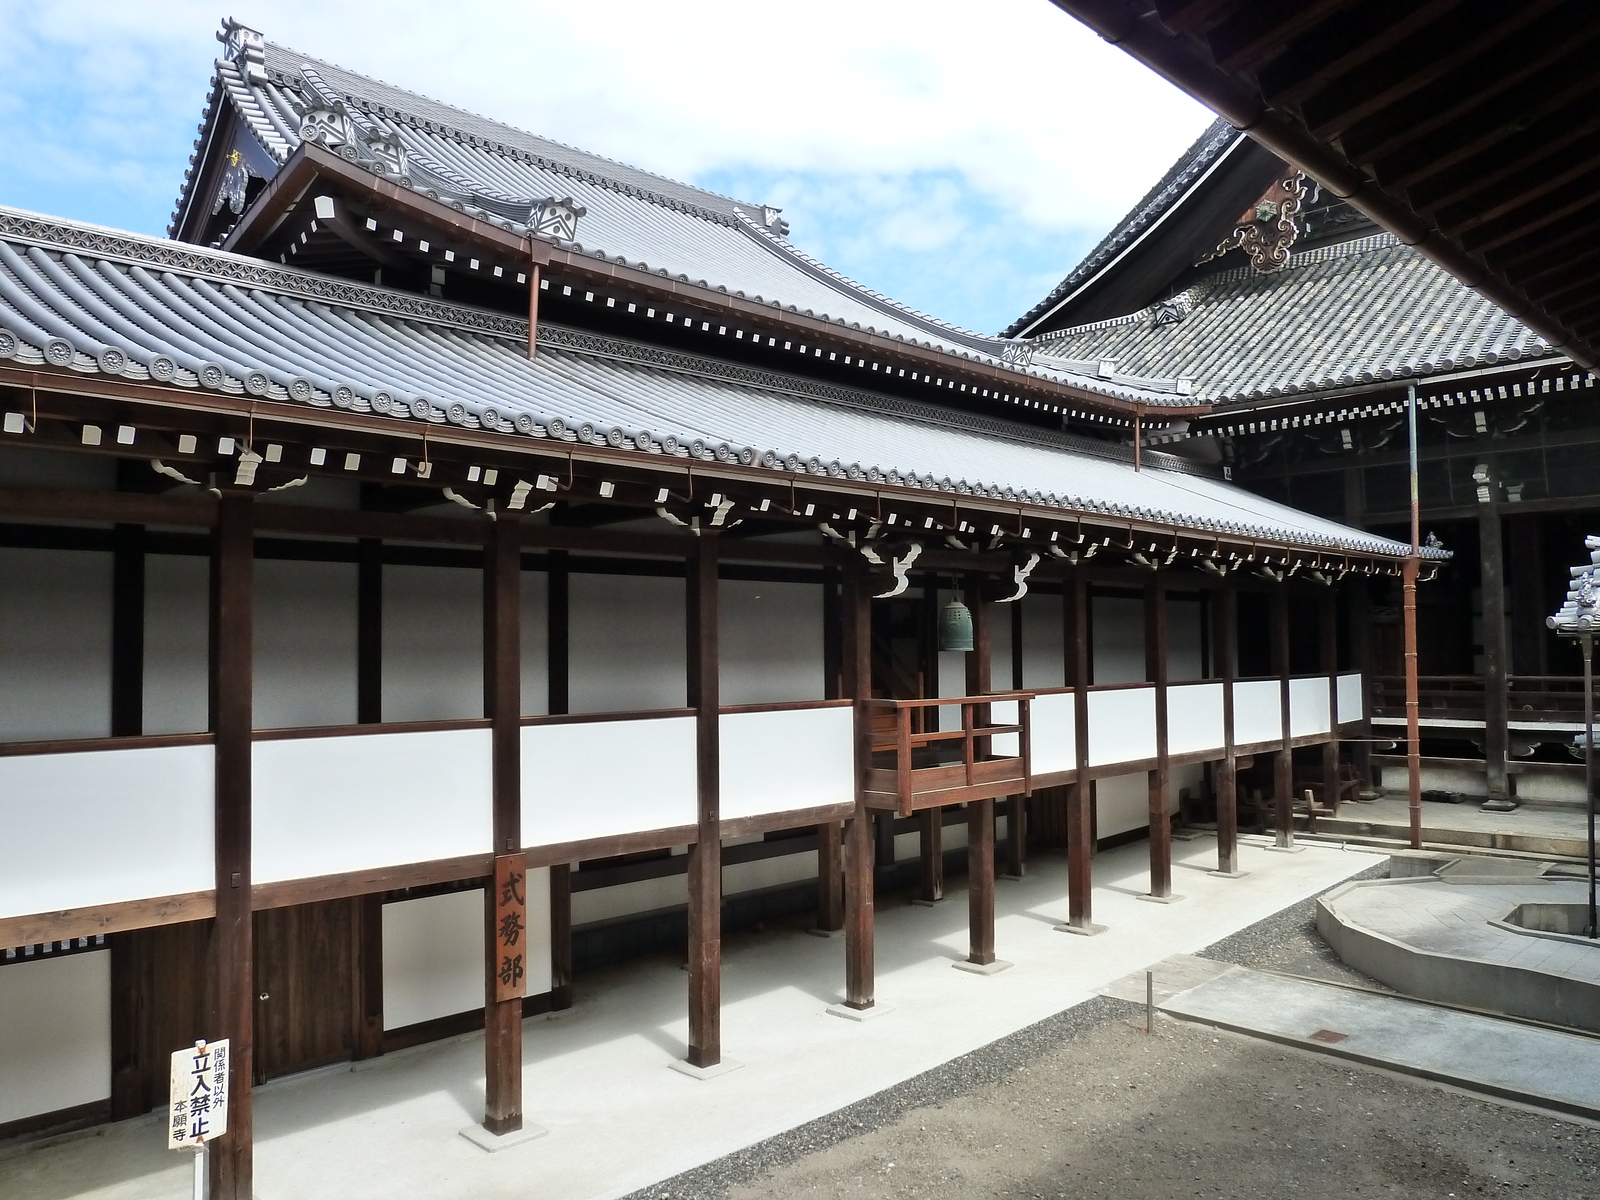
x,y
1269,228
557,219
245,48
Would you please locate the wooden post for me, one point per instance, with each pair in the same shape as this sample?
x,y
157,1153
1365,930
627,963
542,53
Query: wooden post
x,y
502,705
369,631
561,936
1080,796
1159,780
980,813
127,631
1328,615
705,856
860,986
1491,558
1358,610
1283,767
1226,643
232,953
830,878
930,826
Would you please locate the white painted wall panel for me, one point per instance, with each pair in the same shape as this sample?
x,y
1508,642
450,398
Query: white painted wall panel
x,y
1351,706
769,872
55,1034
771,641
780,761
1308,706
535,644
305,643
1004,713
1257,715
55,644
602,778
1054,737
1194,718
177,637
1042,664
1185,640
627,643
629,899
104,826
1117,627
328,805
432,643
1122,726
1000,663
433,951
1122,802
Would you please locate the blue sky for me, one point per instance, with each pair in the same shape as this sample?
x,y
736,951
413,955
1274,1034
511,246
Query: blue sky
x,y
959,156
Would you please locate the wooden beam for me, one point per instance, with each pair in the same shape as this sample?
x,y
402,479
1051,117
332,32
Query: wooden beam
x,y
231,661
980,813
1080,794
705,856
502,705
859,981
1225,642
1159,779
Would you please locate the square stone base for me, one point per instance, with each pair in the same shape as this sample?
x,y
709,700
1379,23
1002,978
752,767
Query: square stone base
x,y
494,1143
694,1072
993,968
921,903
1228,874
1277,849
1089,930
859,1014
1149,899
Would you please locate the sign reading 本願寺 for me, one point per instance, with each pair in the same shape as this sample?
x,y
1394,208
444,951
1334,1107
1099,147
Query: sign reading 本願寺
x,y
197,1108
510,926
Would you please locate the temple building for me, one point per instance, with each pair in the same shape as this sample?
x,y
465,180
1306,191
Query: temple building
x,y
452,560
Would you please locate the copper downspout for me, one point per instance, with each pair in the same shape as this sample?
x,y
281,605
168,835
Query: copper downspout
x,y
533,307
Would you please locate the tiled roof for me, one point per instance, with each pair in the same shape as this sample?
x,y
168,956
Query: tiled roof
x,y
1355,313
1211,145
633,216
79,298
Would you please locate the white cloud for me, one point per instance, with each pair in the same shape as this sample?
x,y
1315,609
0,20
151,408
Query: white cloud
x,y
1054,131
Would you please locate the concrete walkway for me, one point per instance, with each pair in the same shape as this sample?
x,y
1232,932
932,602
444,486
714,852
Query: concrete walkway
x,y
597,1076
1530,829
1525,1063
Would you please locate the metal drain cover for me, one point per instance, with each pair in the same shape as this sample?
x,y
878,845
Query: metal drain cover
x,y
1330,1036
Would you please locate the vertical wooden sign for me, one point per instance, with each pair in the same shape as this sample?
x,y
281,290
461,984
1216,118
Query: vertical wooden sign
x,y
510,927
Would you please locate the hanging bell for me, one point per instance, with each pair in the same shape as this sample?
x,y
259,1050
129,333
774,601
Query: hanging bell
x,y
955,626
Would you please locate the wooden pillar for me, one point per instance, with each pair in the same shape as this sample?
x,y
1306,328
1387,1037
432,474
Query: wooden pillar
x,y
1492,579
502,705
127,631
558,700
1159,780
930,827
705,856
1328,619
830,878
1016,806
859,986
231,660
1225,640
980,813
1283,766
369,975
1080,796
369,631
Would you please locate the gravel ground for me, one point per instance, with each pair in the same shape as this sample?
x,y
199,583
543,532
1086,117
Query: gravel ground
x,y
1084,1104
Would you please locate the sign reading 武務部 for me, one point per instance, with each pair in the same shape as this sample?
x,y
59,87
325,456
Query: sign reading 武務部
x,y
510,927
197,1109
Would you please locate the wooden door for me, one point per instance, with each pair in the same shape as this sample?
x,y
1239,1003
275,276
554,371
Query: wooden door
x,y
306,981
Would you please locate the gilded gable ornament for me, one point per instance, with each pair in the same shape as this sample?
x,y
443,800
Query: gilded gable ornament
x,y
231,191
1269,229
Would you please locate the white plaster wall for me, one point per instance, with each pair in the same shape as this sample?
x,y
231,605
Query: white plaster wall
x,y
433,952
328,805
627,643
55,644
600,778
1122,803
1308,706
305,643
909,845
1351,707
1185,640
1117,626
1257,712
1000,638
770,641
629,899
1042,661
775,762
98,827
1054,735
535,644
432,643
1122,726
55,1038
1194,718
769,872
177,638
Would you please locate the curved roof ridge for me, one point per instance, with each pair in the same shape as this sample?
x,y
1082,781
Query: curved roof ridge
x,y
1201,154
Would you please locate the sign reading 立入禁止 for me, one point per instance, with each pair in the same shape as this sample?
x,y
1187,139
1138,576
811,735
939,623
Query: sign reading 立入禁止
x,y
197,1110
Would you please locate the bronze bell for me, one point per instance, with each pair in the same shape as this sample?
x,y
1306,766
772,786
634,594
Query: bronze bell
x,y
955,626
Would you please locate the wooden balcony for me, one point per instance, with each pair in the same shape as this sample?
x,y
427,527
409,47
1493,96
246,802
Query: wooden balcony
x,y
916,766
1553,699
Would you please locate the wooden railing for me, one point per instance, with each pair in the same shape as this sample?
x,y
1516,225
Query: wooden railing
x,y
1461,697
916,767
